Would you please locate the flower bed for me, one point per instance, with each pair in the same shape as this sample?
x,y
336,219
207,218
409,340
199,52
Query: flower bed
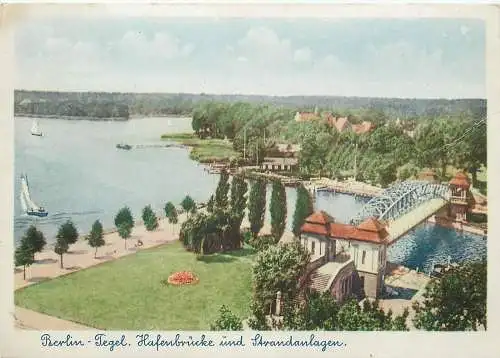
x,y
182,278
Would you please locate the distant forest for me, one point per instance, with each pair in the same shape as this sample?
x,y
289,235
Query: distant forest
x,y
114,105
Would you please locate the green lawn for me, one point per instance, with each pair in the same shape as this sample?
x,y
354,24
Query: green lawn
x,y
204,150
127,294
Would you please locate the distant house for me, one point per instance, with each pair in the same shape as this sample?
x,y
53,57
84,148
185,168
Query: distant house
x,y
345,259
342,124
363,128
306,116
279,164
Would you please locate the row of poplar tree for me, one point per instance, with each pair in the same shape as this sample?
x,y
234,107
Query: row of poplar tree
x,y
219,228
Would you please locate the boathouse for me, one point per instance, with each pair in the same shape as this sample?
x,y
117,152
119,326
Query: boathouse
x,y
279,164
345,259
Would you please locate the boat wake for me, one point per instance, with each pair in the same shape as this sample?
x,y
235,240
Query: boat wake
x,y
25,220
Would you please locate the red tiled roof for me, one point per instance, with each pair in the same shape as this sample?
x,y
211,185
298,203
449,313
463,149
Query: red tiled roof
x,y
317,229
320,217
362,128
320,223
461,180
371,224
341,123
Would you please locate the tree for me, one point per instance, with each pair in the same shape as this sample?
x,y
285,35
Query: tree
x,y
34,239
24,255
257,206
61,247
456,301
238,203
227,321
68,232
124,223
320,311
96,236
221,192
279,268
171,214
303,208
210,204
188,205
149,218
278,210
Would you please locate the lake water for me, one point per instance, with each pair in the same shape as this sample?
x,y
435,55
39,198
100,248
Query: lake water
x,y
76,172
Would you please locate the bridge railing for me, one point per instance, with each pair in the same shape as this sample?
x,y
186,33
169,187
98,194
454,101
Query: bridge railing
x,y
399,199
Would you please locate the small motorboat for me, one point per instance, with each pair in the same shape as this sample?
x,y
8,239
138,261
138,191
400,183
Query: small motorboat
x,y
124,146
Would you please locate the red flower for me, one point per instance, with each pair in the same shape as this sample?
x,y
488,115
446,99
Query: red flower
x,y
182,278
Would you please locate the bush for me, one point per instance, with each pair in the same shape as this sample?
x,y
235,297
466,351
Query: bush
x,y
262,242
227,321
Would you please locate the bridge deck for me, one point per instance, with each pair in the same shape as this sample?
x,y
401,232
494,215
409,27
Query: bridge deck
x,y
406,222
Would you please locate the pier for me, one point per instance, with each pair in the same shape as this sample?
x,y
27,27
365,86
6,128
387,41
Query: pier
x,y
143,146
347,187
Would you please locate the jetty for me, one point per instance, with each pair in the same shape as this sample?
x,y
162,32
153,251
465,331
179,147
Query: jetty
x,y
345,187
142,146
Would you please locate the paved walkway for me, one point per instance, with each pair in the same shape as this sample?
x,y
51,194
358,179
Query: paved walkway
x,y
28,319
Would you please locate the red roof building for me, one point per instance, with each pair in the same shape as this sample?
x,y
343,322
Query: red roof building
x,y
460,180
320,223
334,246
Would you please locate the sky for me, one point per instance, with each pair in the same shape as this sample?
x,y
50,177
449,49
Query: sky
x,y
411,58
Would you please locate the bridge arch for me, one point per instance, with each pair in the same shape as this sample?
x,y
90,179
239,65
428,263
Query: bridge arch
x,y
399,199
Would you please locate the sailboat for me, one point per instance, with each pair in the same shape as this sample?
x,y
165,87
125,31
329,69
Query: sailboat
x,y
35,130
28,205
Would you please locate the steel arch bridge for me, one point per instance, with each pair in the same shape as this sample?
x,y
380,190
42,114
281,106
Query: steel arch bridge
x,y
400,199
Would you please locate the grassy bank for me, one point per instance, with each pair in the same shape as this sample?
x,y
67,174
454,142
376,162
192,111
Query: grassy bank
x,y
128,294
204,150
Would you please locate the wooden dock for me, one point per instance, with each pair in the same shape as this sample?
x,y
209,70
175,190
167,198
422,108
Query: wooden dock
x,y
348,187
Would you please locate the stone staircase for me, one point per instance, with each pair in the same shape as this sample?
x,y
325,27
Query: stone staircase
x,y
319,280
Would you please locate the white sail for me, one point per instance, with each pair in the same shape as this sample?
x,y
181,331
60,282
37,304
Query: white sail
x,y
25,191
23,202
35,128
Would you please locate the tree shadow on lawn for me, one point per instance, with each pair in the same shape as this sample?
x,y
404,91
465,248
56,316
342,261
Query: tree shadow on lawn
x,y
73,268
104,257
246,251
38,279
215,258
77,252
46,261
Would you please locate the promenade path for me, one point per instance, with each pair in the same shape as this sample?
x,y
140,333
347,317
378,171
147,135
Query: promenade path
x,y
406,222
81,255
28,319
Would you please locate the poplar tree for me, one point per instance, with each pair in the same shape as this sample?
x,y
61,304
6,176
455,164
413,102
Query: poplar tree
x,y
303,208
239,188
278,210
221,200
257,206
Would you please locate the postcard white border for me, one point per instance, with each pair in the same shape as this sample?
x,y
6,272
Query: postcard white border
x,y
18,343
